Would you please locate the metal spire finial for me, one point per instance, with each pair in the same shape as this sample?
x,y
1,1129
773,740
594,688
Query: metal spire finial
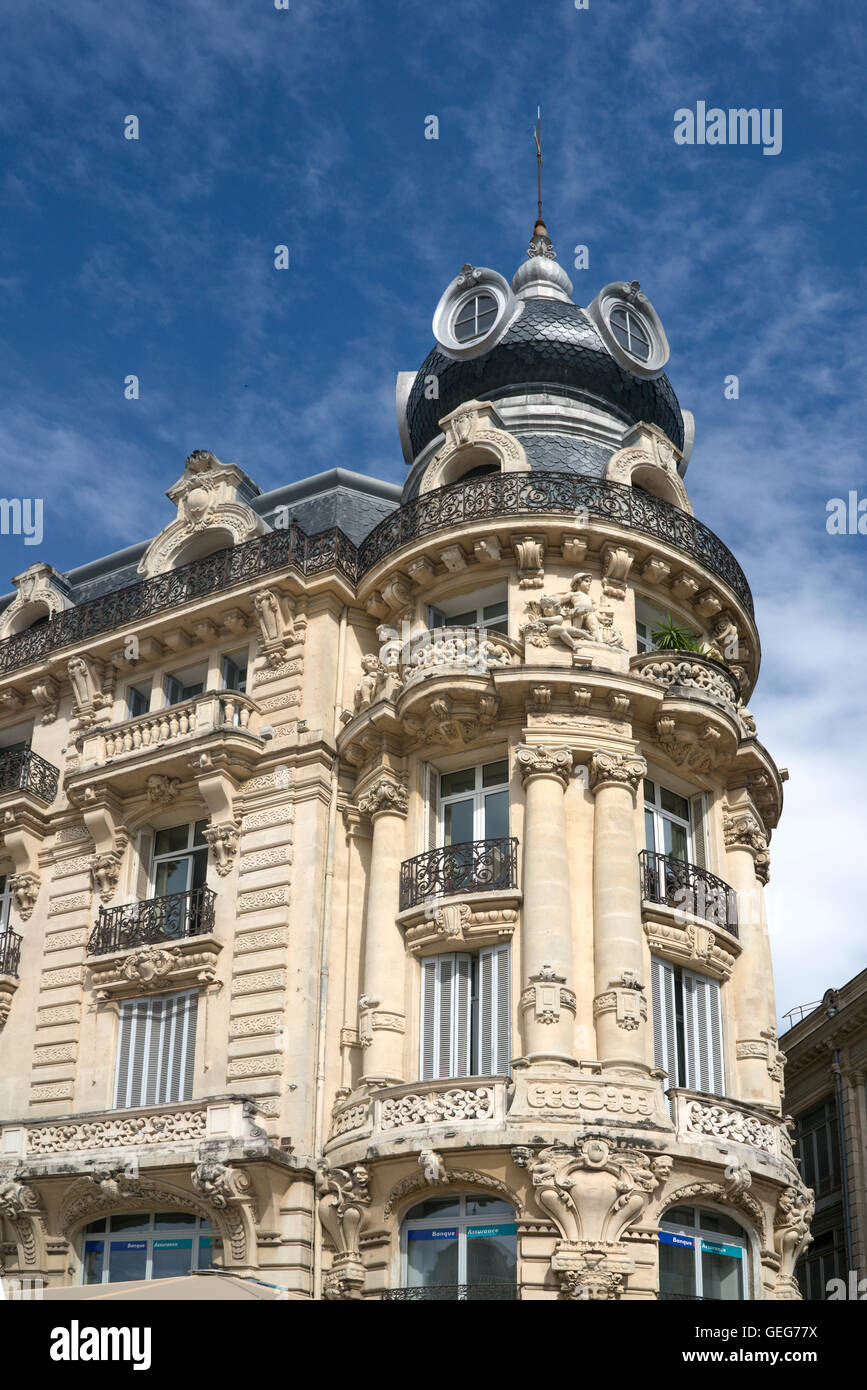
x,y
540,245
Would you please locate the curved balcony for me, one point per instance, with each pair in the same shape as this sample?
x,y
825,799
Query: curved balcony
x,y
172,918
689,675
475,866
22,770
689,889
455,651
533,494
10,953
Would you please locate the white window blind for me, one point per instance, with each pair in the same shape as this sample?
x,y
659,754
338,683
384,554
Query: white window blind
x,y
698,816
702,1023
664,1018
156,1050
492,1048
465,1013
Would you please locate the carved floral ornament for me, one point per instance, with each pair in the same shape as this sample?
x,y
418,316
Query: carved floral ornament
x,y
343,1199
543,761
616,769
223,840
387,793
25,891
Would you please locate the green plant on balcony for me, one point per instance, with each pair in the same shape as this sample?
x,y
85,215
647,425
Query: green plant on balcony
x,y
672,636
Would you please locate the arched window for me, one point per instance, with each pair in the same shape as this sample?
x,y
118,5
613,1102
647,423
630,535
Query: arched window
x,y
145,1245
702,1254
460,1247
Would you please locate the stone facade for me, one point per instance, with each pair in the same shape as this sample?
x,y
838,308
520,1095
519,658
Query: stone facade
x,y
307,1131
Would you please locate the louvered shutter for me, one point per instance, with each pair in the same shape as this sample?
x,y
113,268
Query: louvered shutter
x,y
494,1007
702,1021
156,1050
461,1060
145,859
445,1015
428,1028
186,1070
698,816
664,1018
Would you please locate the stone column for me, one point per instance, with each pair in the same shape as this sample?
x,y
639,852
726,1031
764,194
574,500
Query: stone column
x,y
620,1007
382,1020
752,1008
547,999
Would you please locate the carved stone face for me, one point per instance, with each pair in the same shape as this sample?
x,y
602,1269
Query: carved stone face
x,y
582,582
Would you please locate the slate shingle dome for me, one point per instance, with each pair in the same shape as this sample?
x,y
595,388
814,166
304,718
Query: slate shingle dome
x,y
550,344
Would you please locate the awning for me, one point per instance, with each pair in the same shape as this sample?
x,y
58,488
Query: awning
x,y
217,1288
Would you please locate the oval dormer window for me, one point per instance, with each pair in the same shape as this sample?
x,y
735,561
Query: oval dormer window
x,y
631,331
474,317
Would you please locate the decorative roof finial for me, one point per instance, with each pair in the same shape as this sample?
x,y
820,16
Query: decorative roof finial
x,y
540,244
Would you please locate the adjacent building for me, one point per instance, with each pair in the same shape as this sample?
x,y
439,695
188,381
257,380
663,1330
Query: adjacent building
x,y
825,1074
382,909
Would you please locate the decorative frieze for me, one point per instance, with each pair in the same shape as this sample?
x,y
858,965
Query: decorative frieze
x,y
72,902
66,940
265,859
55,1052
385,794
277,896
54,1090
260,983
283,815
270,1065
264,940
738,1126
59,1013
252,1025
55,979
433,1107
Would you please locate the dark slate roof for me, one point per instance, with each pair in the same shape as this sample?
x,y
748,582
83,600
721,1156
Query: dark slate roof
x,y
565,453
338,497
550,344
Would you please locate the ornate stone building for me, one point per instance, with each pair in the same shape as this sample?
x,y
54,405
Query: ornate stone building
x,y
382,910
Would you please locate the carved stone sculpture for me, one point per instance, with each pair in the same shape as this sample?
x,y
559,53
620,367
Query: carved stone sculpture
x,y
219,1183
432,1167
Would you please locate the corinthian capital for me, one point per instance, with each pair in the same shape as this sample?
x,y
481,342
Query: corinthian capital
x,y
544,761
385,794
624,769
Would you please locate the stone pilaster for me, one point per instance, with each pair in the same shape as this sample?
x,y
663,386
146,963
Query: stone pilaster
x,y
382,1020
620,1005
759,1070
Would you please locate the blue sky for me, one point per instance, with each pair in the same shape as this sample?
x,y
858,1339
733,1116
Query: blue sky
x,y
306,127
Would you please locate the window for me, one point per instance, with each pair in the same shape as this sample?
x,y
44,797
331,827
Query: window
x,y
631,331
647,620
687,1027
180,862
465,1006
149,1245
5,902
666,822
474,804
702,1254
488,608
156,1050
138,700
185,685
818,1147
235,672
463,1244
475,316
824,1260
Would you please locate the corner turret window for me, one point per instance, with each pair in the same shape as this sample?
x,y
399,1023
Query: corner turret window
x,y
474,317
687,1028
146,1245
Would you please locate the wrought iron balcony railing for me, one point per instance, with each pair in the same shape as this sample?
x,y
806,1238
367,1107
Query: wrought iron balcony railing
x,y
496,494
522,494
22,770
475,866
289,546
10,952
676,883
454,1293
171,918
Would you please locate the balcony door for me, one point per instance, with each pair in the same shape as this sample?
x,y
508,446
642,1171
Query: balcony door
x,y
179,871
667,822
474,804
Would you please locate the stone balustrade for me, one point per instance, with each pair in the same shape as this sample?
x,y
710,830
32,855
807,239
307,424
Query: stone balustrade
x,y
698,677
418,1104
214,710
723,1120
114,1133
466,651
